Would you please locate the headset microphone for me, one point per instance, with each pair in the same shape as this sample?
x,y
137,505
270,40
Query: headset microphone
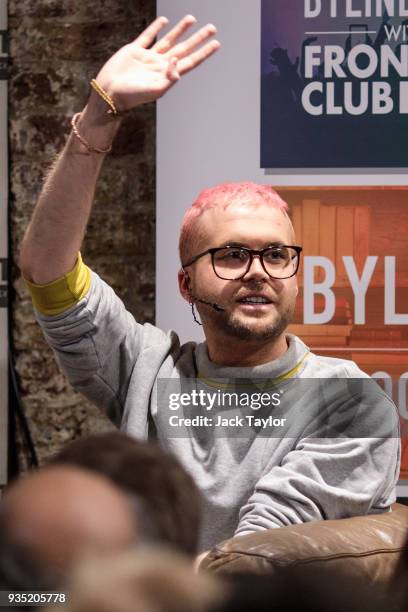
x,y
216,307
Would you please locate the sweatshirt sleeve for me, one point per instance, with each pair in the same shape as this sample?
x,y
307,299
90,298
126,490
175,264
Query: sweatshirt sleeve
x,y
96,341
330,477
324,479
58,296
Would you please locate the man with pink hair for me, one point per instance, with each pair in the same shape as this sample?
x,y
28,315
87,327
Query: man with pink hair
x,y
258,314
279,464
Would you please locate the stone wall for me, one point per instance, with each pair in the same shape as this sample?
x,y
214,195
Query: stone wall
x,y
56,47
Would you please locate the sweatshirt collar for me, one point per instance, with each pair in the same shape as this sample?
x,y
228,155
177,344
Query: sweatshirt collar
x,y
289,365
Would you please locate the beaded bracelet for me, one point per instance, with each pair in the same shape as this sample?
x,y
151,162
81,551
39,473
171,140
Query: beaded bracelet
x,y
106,97
82,140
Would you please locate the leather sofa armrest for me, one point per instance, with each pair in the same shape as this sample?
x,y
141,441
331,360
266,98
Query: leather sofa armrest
x,y
359,555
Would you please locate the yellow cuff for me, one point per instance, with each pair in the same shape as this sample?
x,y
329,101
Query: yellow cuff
x,y
58,296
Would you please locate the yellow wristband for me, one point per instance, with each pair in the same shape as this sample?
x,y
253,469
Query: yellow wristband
x,y
63,293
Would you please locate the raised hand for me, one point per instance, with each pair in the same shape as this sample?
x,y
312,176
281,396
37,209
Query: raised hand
x,y
142,71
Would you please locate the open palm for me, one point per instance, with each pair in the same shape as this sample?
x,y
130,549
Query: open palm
x,y
143,70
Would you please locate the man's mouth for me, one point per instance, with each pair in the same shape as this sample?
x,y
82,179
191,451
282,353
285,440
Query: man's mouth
x,y
254,299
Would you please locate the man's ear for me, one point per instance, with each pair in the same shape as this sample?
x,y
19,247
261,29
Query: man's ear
x,y
184,284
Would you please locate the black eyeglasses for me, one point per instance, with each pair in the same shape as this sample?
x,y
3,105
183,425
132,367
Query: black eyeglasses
x,y
232,262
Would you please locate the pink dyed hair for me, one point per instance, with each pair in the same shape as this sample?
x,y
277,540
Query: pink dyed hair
x,y
223,196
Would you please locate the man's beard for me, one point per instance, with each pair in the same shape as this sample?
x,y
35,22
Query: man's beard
x,y
232,326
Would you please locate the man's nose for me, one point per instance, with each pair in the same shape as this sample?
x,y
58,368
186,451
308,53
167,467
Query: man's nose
x,y
256,269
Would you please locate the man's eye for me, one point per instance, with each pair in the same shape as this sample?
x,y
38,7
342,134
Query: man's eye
x,y
232,254
237,254
278,254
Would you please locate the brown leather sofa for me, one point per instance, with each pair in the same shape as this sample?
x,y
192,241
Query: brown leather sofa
x,y
358,563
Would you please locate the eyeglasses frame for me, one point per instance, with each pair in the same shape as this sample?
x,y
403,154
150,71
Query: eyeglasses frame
x,y
252,253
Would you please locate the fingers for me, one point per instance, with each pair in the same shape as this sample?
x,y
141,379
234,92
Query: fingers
x,y
198,38
147,37
169,39
173,73
195,59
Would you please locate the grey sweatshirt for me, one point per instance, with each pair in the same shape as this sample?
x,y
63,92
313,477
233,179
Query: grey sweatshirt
x,y
250,482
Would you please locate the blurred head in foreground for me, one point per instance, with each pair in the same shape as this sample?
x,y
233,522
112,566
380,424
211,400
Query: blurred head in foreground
x,y
51,518
167,500
144,581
